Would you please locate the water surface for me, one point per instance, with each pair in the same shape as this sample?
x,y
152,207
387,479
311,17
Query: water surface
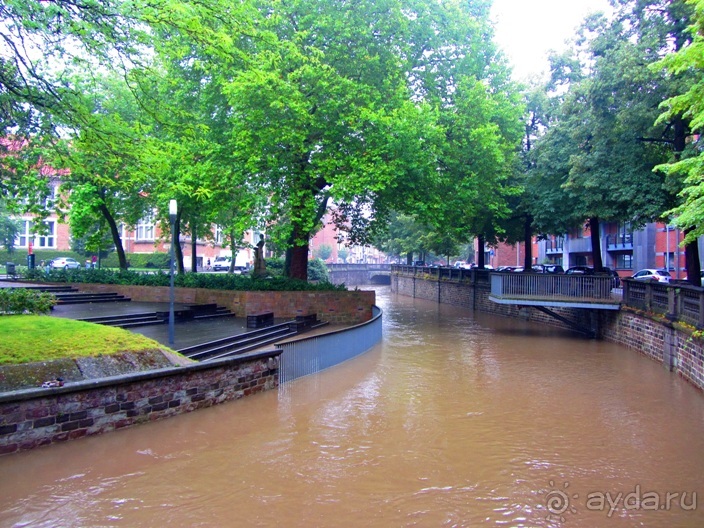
x,y
455,419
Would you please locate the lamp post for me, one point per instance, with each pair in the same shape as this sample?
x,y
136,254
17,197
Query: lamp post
x,y
173,209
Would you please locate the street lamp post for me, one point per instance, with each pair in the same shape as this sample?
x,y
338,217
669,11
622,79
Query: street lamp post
x,y
173,209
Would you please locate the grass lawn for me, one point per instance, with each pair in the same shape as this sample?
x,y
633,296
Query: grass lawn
x,y
30,338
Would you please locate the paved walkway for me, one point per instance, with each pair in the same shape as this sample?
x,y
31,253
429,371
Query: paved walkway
x,y
187,333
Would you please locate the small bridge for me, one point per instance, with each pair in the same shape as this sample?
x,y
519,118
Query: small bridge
x,y
355,274
544,291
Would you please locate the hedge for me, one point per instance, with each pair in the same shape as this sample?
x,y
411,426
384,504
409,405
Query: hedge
x,y
214,281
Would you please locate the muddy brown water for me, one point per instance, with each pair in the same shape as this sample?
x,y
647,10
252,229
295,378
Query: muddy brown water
x,y
455,419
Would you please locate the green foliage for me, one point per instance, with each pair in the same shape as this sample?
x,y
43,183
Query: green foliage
x,y
318,271
323,252
689,215
215,281
275,266
25,301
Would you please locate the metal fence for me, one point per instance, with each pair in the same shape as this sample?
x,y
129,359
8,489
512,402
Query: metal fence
x,y
677,301
547,287
474,276
313,354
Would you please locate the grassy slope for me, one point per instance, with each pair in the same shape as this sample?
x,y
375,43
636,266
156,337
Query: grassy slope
x,y
29,338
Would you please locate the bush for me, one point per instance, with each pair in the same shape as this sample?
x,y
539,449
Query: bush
x,y
25,301
212,281
318,271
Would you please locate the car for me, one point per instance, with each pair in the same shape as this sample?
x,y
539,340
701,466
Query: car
x,y
222,264
580,270
616,278
659,275
64,263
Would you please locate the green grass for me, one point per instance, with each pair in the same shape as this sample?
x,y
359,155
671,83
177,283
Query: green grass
x,y
31,338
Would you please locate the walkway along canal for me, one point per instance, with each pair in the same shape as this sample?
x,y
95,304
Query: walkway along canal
x,y
457,418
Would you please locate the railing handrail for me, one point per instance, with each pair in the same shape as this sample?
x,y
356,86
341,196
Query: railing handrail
x,y
311,354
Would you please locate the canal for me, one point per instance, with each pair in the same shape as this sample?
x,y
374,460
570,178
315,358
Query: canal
x,y
455,419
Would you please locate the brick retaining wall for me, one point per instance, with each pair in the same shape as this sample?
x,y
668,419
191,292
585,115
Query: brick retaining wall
x,y
336,307
36,417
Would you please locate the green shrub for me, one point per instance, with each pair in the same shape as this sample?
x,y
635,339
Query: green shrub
x,y
212,281
318,271
25,301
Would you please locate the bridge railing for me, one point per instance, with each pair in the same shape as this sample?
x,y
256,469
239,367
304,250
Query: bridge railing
x,y
359,267
547,287
680,302
474,276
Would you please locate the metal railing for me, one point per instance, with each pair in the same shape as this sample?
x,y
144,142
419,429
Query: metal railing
x,y
621,240
474,276
359,267
679,302
547,287
313,354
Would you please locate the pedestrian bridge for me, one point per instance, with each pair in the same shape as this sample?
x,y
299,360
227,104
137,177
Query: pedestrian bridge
x,y
358,274
558,291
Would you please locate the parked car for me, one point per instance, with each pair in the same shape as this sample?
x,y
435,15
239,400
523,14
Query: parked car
x,y
658,275
548,268
616,279
64,263
221,264
419,263
580,270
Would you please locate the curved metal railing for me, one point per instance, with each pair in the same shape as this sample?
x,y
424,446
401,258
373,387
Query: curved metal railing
x,y
313,354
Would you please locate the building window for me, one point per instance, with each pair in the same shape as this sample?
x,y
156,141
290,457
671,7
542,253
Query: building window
x,y
45,240
50,200
670,259
218,235
145,230
24,235
624,261
48,239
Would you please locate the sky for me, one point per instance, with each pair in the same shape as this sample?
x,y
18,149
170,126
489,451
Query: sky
x,y
527,29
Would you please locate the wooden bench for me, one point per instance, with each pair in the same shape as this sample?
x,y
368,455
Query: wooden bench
x,y
255,320
303,322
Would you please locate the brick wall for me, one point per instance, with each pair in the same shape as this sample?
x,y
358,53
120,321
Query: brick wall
x,y
36,417
343,307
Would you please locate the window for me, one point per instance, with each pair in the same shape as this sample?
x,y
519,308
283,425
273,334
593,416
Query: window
x,y
145,229
624,261
218,235
45,240
50,199
670,259
25,234
48,239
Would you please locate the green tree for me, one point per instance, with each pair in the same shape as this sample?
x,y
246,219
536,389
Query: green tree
x,y
323,252
689,165
595,161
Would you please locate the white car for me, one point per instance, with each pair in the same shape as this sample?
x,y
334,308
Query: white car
x,y
658,275
64,263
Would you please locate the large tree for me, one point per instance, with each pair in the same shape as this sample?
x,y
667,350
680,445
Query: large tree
x,y
341,104
688,165
595,163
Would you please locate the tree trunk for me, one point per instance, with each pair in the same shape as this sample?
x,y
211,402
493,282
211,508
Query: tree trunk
x,y
194,247
409,258
528,241
175,236
115,232
596,244
299,262
480,251
692,261
231,269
